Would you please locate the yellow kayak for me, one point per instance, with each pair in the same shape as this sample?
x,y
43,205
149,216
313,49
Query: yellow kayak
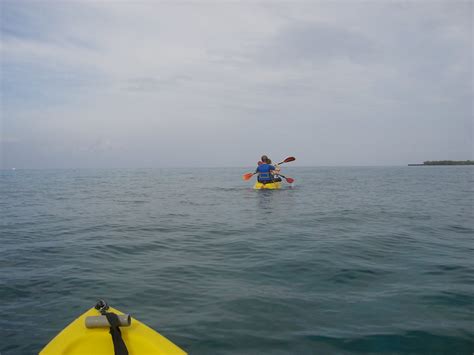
x,y
81,338
270,186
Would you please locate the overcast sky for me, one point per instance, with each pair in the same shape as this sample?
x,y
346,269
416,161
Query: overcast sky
x,y
160,84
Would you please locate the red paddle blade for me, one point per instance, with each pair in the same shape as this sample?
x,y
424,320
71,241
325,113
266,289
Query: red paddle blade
x,y
287,160
247,176
290,180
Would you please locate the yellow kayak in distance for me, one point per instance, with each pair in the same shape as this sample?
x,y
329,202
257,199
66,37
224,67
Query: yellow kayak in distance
x,y
269,186
79,339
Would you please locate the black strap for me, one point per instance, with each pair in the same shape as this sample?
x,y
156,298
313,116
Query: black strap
x,y
119,346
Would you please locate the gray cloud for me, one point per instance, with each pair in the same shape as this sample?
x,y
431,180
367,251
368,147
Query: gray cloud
x,y
152,84
316,43
334,83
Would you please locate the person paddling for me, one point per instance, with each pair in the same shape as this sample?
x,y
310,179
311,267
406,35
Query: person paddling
x,y
266,170
275,174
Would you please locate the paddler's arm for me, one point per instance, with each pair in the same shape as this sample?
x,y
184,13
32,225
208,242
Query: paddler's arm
x,y
276,169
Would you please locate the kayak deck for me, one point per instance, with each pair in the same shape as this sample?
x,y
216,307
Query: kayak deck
x,y
270,186
76,339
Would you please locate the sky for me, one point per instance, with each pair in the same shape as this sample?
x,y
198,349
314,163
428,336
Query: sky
x,y
117,84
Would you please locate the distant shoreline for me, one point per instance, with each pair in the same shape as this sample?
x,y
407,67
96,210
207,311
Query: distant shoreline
x,y
444,162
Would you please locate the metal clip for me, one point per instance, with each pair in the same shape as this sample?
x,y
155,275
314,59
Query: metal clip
x,y
101,306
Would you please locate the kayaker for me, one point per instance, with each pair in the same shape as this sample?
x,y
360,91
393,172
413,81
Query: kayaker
x,y
276,178
266,170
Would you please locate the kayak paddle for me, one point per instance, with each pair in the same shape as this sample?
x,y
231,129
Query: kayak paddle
x,y
288,180
248,176
287,160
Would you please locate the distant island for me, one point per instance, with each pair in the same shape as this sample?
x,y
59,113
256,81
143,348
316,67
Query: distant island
x,y
445,162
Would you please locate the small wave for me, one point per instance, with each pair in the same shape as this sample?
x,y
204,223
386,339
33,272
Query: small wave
x,y
460,229
448,270
450,298
409,342
346,275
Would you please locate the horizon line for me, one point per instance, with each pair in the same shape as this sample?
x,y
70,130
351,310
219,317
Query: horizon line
x,y
200,167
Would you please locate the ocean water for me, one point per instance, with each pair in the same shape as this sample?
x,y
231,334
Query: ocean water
x,y
354,260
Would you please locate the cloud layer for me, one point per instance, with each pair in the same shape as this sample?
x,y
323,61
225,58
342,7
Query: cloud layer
x,y
114,84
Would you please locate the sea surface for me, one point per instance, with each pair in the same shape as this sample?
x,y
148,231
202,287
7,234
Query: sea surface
x,y
349,260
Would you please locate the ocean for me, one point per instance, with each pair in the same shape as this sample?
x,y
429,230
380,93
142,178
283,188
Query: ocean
x,y
349,260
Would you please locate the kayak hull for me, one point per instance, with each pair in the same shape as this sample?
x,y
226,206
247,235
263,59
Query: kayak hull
x,y
76,339
270,186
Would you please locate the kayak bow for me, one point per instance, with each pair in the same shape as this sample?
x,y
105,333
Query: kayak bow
x,y
91,334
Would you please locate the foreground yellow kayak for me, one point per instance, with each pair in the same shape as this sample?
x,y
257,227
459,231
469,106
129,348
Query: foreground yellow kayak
x,y
77,339
270,186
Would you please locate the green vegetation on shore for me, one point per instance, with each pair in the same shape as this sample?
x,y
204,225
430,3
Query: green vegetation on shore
x,y
445,162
